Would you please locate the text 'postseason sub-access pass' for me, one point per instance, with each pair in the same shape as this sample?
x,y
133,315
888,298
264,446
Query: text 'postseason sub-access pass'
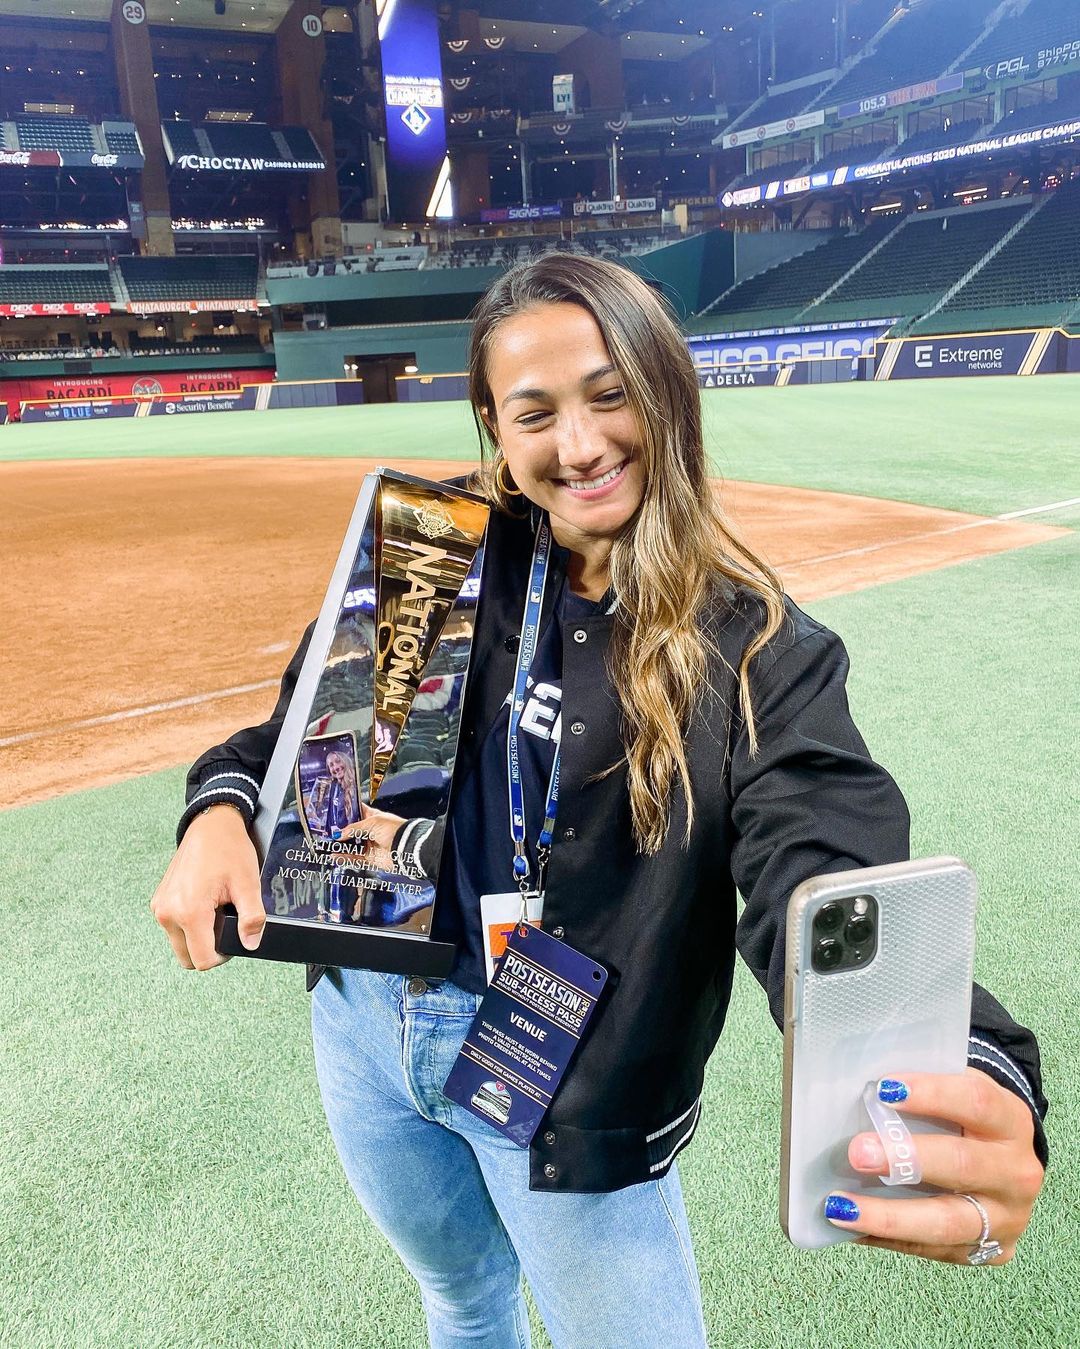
x,y
525,1032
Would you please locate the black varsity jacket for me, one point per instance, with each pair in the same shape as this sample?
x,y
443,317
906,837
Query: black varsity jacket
x,y
667,927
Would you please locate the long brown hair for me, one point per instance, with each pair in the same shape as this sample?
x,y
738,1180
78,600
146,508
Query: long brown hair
x,y
668,559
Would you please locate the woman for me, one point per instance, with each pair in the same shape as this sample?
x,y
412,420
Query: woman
x,y
343,807
704,742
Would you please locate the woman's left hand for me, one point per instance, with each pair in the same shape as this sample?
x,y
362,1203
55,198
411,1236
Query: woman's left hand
x,y
994,1161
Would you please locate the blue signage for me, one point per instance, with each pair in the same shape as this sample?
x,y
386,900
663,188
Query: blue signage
x,y
417,165
717,354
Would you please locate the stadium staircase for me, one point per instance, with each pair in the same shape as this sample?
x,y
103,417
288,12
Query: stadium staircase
x,y
1033,280
915,44
970,56
773,297
1021,29
986,258
922,257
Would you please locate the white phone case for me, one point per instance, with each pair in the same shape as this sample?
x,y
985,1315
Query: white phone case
x,y
907,1009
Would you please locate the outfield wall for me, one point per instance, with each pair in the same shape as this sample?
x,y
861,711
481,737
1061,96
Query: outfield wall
x,y
261,397
1024,351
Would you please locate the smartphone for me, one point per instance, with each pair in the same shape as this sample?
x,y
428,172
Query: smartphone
x,y
878,981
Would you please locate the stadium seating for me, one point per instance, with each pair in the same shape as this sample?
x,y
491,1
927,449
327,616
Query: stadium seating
x,y
248,140
1065,107
1042,23
772,298
917,265
242,140
122,142
226,277
182,138
919,45
938,138
852,154
300,142
55,133
506,251
55,285
771,173
774,107
1035,279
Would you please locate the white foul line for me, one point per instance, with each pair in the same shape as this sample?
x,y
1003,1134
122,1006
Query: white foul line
x,y
195,699
130,712
931,534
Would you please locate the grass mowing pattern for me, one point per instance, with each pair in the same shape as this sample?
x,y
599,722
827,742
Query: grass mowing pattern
x,y
168,1179
982,445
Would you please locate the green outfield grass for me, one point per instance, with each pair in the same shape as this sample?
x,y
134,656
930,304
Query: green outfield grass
x,y
983,445
167,1179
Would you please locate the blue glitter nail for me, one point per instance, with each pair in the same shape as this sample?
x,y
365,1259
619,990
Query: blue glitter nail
x,y
890,1090
842,1209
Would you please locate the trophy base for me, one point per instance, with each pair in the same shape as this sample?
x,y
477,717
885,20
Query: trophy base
x,y
353,948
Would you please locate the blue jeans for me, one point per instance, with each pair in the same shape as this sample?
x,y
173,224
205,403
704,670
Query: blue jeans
x,y
452,1196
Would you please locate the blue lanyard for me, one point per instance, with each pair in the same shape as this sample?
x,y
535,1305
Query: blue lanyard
x,y
530,633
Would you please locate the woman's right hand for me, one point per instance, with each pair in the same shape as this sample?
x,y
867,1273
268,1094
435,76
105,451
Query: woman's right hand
x,y
215,864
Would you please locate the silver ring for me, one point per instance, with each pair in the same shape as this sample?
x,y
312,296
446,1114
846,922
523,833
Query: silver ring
x,y
985,1248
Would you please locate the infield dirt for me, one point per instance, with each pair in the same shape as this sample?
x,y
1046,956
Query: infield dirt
x,y
151,605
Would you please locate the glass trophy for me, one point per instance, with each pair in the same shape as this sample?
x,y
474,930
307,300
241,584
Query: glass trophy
x,y
350,817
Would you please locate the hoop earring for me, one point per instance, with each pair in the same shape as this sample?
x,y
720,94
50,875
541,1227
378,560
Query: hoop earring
x,y
500,482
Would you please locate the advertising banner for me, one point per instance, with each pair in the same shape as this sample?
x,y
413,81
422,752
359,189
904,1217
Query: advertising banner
x,y
952,357
543,211
723,352
245,164
895,98
13,311
242,400
130,384
764,376
625,206
768,131
69,159
949,154
190,306
1059,56
898,162
417,166
77,412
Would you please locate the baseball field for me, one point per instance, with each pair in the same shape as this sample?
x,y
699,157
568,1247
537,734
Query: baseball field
x,y
167,1177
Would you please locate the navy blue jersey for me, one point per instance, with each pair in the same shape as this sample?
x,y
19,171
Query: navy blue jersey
x,y
478,854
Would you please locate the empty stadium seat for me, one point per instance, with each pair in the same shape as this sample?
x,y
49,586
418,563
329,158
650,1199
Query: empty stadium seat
x,y
1063,108
921,43
182,138
226,277
121,142
774,297
55,133
852,154
917,265
1041,23
55,285
1035,279
772,172
775,107
939,138
244,140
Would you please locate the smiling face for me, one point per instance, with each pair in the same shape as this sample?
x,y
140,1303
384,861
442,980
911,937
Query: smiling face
x,y
336,765
560,415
